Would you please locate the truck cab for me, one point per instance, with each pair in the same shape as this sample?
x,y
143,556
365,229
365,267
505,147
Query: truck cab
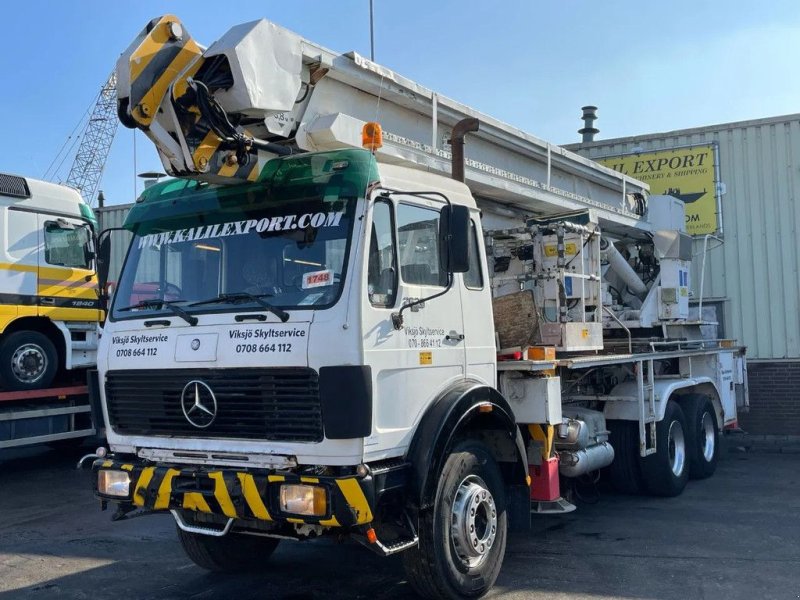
x,y
240,293
49,303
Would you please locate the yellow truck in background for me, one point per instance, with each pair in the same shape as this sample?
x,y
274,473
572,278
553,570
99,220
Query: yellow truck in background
x,y
49,304
49,310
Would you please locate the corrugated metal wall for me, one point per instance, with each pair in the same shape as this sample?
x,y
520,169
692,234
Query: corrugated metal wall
x,y
756,269
114,216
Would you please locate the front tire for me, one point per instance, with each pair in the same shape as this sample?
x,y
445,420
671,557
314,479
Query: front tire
x,y
666,472
462,539
28,361
231,553
702,435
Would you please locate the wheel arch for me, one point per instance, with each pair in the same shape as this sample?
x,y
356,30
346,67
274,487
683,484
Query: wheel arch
x,y
708,390
665,389
58,335
467,410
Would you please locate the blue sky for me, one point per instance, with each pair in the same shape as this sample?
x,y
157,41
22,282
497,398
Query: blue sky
x,y
648,66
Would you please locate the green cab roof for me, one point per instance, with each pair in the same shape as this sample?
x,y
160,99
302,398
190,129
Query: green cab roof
x,y
168,205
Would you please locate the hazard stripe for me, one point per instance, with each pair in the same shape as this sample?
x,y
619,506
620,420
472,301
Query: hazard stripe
x,y
222,495
195,501
243,495
154,40
165,490
254,500
332,522
228,170
244,171
139,495
153,96
181,86
206,150
154,65
355,499
144,84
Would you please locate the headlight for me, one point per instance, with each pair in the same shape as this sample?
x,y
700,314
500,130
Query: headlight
x,y
113,483
303,500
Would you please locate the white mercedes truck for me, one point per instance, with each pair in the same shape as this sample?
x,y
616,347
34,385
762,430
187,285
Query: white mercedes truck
x,y
332,323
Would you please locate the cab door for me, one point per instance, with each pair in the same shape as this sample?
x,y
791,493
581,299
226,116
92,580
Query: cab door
x,y
67,286
18,275
476,299
412,365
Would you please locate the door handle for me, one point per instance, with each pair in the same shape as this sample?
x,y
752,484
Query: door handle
x,y
47,300
454,337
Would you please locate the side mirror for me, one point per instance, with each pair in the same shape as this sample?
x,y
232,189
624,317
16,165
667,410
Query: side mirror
x,y
103,259
454,227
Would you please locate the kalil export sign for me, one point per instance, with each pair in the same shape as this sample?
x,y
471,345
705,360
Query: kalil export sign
x,y
685,173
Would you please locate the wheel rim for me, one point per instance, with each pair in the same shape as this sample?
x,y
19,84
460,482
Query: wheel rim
x,y
677,448
29,363
474,521
709,441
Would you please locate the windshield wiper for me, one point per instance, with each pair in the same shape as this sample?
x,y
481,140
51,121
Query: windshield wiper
x,y
239,297
168,304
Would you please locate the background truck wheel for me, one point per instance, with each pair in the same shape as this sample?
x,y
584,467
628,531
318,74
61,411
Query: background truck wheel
x,y
462,539
666,472
624,473
230,553
28,361
702,436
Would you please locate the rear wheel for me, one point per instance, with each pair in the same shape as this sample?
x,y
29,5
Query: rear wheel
x,y
462,540
28,361
624,472
702,436
230,553
666,472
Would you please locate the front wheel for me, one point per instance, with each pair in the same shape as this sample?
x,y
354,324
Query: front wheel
x,y
462,539
230,553
28,361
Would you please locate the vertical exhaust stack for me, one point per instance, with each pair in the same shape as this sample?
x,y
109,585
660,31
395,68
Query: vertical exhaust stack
x,y
589,117
461,129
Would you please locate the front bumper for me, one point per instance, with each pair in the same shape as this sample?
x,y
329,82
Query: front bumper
x,y
246,494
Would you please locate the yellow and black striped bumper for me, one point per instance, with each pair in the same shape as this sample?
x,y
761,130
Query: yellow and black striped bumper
x,y
250,494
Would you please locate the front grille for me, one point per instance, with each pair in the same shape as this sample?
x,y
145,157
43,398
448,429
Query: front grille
x,y
279,404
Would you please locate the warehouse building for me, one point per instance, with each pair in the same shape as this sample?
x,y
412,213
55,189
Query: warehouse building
x,y
750,282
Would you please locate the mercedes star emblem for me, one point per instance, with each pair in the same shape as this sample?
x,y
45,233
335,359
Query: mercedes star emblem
x,y
195,344
199,404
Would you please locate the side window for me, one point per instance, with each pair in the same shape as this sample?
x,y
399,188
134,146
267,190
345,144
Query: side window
x,y
382,269
473,279
66,245
418,243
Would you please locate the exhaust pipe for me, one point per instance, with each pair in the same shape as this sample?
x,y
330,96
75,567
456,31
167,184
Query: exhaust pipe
x,y
461,129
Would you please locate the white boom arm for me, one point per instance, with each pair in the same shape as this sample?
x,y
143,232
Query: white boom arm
x,y
219,114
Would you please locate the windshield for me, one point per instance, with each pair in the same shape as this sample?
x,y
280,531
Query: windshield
x,y
281,244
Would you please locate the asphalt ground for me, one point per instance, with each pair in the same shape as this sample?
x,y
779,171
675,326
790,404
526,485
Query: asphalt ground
x,y
736,535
